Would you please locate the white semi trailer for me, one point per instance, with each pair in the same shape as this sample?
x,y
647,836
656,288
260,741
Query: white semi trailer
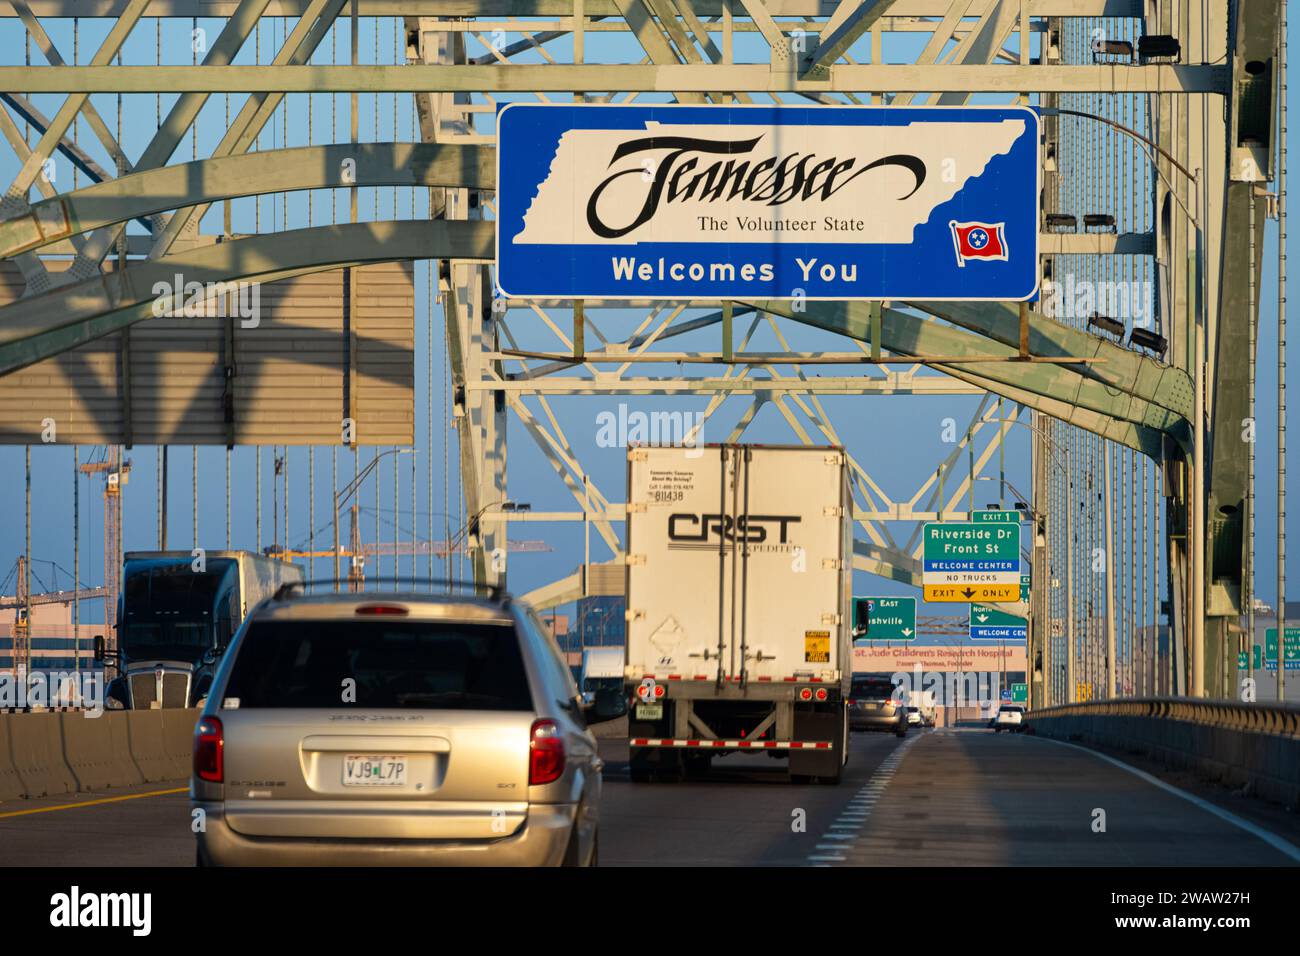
x,y
739,565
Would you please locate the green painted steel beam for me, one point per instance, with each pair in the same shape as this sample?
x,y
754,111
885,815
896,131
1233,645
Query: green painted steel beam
x,y
667,78
211,180
1148,441
42,326
1102,409
1131,372
1254,37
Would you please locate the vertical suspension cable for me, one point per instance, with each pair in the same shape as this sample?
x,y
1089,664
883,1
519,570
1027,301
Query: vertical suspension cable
x,y
1281,354
334,502
311,506
76,565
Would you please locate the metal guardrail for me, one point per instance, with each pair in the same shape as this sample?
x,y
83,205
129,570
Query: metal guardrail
x,y
1262,718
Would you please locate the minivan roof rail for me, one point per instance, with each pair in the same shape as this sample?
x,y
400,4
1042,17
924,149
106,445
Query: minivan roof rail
x,y
493,592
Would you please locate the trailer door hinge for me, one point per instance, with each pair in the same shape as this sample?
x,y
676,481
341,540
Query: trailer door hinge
x,y
633,614
634,559
832,511
831,619
833,458
638,454
832,564
636,507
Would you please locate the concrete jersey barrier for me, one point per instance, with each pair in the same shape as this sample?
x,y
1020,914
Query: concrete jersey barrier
x,y
52,753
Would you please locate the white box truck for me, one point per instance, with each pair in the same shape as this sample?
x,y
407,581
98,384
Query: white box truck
x,y
739,565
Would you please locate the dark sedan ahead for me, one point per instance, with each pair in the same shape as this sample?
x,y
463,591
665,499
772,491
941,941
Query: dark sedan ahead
x,y
873,705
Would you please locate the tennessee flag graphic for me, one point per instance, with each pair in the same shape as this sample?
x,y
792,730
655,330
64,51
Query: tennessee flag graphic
x,y
978,240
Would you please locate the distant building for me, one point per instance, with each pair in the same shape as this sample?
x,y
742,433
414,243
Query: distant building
x,y
598,622
51,645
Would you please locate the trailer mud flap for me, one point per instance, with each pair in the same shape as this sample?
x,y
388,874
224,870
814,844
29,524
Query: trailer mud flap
x,y
818,763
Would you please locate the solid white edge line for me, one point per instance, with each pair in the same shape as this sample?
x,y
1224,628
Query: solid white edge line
x,y
1285,847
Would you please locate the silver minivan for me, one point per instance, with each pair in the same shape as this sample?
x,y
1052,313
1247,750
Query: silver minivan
x,y
396,729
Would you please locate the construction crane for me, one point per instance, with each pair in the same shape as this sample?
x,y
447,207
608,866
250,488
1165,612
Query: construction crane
x,y
21,601
22,625
115,474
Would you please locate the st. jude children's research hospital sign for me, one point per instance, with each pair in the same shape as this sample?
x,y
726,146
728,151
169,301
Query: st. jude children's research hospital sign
x,y
767,202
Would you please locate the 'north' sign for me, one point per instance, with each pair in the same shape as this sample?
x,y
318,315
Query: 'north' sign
x,y
767,202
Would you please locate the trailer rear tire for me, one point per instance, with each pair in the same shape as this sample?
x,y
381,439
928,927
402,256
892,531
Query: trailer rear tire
x,y
697,765
639,767
672,769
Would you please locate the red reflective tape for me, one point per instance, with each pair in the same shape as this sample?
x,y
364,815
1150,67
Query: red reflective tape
x,y
822,744
719,743
789,679
765,678
769,744
674,676
665,743
701,677
692,743
743,743
640,742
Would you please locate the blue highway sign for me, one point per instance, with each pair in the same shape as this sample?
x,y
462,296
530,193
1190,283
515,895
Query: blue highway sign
x,y
991,624
767,202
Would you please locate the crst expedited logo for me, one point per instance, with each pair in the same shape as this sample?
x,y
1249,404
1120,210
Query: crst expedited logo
x,y
776,202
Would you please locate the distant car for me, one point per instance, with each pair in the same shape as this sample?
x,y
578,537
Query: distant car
x,y
873,705
914,718
395,728
1009,717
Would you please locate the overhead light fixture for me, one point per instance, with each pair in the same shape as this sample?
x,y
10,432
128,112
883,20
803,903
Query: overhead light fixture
x,y
1061,220
1106,324
1099,220
1111,48
1146,339
1159,46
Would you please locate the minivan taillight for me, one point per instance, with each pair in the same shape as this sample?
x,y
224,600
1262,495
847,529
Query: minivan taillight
x,y
209,745
545,753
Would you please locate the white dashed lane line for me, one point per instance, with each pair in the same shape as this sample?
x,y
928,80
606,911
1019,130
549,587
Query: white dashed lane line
x,y
847,827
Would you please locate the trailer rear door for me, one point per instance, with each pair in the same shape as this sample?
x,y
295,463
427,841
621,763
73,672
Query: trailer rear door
x,y
736,563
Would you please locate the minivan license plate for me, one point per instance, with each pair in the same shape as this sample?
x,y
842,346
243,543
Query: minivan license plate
x,y
374,770
649,711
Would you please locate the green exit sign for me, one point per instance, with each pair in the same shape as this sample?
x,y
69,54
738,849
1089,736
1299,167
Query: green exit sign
x,y
1290,646
1242,664
884,618
995,517
1020,693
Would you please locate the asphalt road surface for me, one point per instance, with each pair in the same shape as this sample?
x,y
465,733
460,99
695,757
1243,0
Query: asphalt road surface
x,y
940,797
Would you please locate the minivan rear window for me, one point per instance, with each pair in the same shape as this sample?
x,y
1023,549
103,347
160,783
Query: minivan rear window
x,y
407,664
872,688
